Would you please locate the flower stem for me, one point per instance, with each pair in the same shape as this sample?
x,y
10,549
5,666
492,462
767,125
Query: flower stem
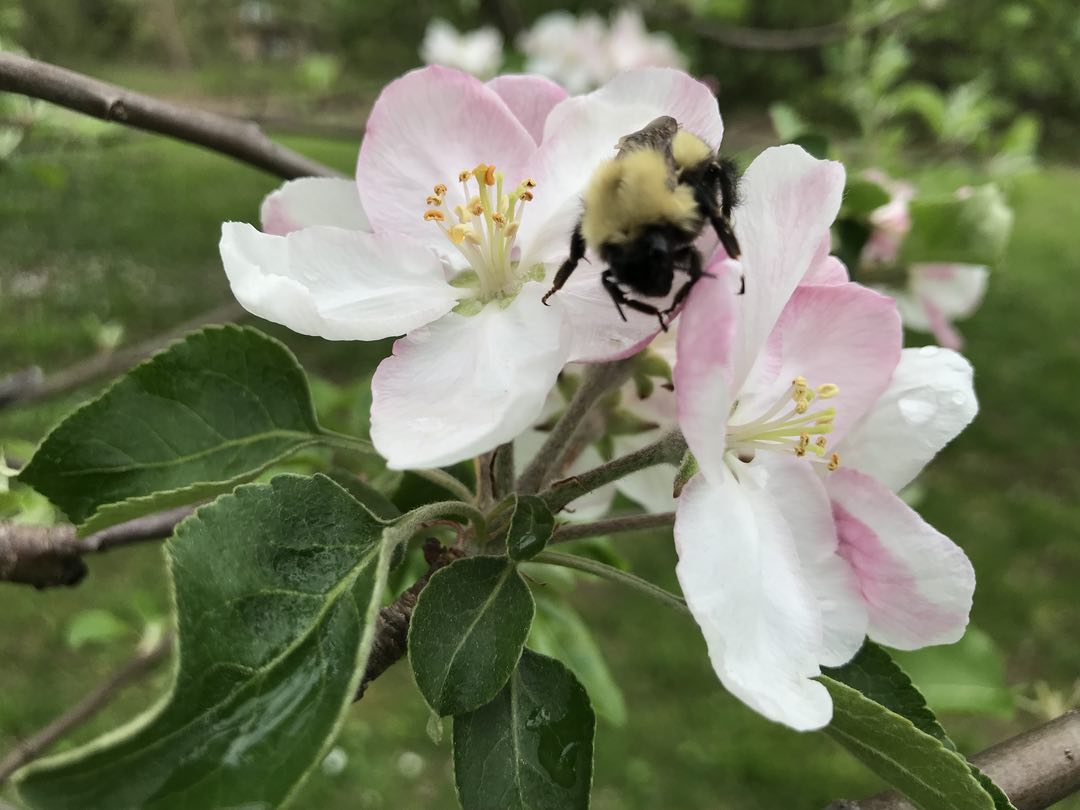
x,y
608,572
668,449
410,521
504,470
598,380
628,523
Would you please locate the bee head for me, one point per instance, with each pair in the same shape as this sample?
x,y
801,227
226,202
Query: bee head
x,y
647,262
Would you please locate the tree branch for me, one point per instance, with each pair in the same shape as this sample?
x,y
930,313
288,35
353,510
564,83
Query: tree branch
x,y
599,528
31,385
34,746
48,556
1036,769
242,140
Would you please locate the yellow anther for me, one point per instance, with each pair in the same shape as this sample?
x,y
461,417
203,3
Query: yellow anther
x,y
432,200
834,462
526,196
432,214
463,175
828,390
489,176
511,230
498,219
799,382
459,233
529,183
440,190
801,405
821,442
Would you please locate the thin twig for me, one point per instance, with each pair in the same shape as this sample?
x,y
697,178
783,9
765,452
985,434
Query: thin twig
x,y
599,378
1035,769
30,385
242,140
442,478
504,470
34,746
484,466
48,556
600,528
612,574
668,449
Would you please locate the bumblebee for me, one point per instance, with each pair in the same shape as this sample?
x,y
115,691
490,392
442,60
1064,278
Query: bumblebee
x,y
643,210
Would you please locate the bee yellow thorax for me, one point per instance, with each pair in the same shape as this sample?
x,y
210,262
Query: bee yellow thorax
x,y
483,229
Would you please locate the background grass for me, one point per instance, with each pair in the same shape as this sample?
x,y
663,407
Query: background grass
x,y
125,230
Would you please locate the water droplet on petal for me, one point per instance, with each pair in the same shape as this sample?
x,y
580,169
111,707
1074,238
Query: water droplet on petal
x,y
929,351
959,398
917,411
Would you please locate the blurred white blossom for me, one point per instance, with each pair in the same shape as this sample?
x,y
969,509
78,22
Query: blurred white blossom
x,y
584,52
478,52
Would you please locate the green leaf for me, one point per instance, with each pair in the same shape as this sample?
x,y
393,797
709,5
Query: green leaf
x,y
817,145
277,587
531,748
786,121
467,632
916,763
876,675
861,197
968,676
373,500
531,527
558,631
93,627
970,229
211,411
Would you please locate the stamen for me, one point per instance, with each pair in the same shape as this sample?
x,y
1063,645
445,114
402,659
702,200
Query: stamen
x,y
432,200
434,215
828,390
834,462
440,190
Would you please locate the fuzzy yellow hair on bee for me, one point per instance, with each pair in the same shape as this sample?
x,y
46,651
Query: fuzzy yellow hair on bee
x,y
643,211
627,193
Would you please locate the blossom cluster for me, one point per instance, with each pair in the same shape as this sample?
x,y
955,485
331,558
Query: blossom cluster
x,y
580,53
803,413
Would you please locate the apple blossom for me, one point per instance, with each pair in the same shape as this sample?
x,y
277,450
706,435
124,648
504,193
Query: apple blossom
x,y
478,52
465,198
805,416
935,294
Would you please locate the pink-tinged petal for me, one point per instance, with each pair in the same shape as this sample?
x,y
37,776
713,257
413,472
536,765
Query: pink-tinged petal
x,y
940,328
464,385
312,201
704,387
788,201
744,585
530,98
929,400
424,129
337,284
956,289
843,334
916,582
825,268
583,131
799,494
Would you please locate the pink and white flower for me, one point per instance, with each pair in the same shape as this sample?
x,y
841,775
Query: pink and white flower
x,y
805,417
465,198
479,52
935,294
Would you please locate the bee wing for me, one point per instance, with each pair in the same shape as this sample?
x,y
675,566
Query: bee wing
x,y
657,134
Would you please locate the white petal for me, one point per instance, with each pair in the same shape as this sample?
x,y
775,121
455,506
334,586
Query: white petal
x,y
916,582
800,495
313,201
464,385
337,284
955,289
929,400
740,573
788,201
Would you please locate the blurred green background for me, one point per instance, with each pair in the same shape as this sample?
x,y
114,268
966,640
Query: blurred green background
x,y
107,236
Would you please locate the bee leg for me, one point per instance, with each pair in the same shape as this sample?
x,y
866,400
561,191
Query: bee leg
x,y
607,278
695,272
577,253
724,178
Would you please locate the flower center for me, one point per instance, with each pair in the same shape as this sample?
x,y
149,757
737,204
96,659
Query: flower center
x,y
485,230
788,425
